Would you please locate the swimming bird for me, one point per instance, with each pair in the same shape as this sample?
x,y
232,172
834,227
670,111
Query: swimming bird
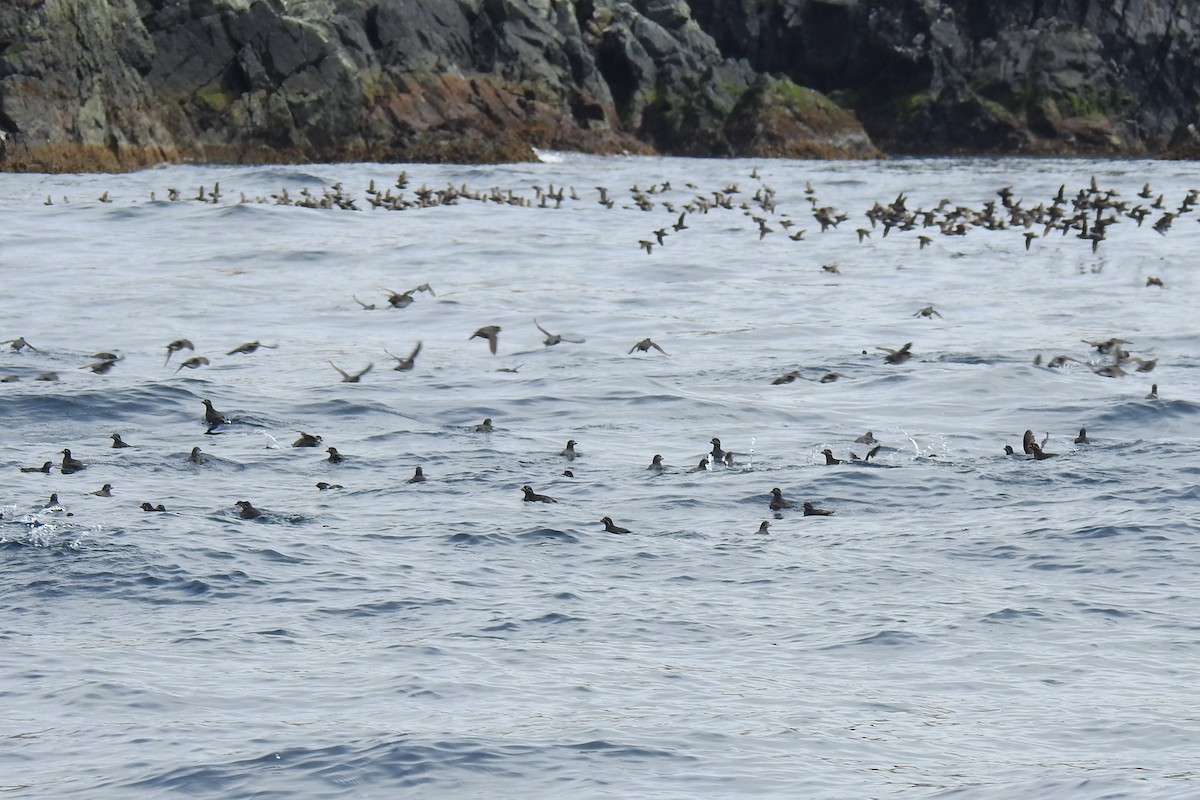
x,y
1039,454
874,451
777,502
247,511
1153,392
485,426
568,452
897,356
555,338
152,507
611,528
729,462
829,459
334,456
323,485
250,347
656,464
763,527
1082,437
194,457
489,332
104,491
347,377
717,453
70,464
175,346
644,346
533,497
812,511
701,467
405,364
306,440
418,476
1008,450
1028,442
45,467
786,377
195,362
212,416
866,438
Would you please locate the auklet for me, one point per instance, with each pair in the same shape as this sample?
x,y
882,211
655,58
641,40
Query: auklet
x,y
1040,454
212,416
45,467
533,497
928,312
405,364
729,462
1082,437
46,376
569,451
568,473
763,527
334,456
69,464
611,528
152,507
777,502
195,362
118,442
20,344
247,511
897,356
306,440
405,299
418,476
1153,392
489,332
100,367
1028,442
874,451
175,346
104,491
250,347
365,306
194,457
1153,281
812,511
555,338
1008,450
485,426
717,453
829,459
866,438
656,464
787,377
322,485
347,377
644,346
701,467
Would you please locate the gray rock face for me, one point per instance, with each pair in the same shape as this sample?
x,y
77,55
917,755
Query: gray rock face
x,y
114,84
1049,76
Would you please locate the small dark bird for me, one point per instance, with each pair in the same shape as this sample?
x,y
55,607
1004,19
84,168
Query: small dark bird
x,y
812,511
69,464
418,476
1028,442
365,306
1152,396
104,491
644,346
247,511
555,338
717,453
53,501
489,332
117,441
533,497
866,438
485,426
764,526
611,528
656,464
701,467
874,451
729,462
1040,454
334,456
195,362
20,344
897,356
175,346
102,366
212,416
194,457
152,507
1152,281
250,347
569,451
306,440
928,312
568,473
347,377
829,459
43,468
1082,437
322,485
405,364
405,299
777,502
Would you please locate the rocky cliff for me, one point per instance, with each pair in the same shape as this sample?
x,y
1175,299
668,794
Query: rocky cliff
x,y
1020,76
115,84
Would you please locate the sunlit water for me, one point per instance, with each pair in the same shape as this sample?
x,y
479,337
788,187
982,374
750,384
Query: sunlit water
x,y
966,625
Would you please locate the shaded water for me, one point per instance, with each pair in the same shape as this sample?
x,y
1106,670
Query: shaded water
x,y
966,624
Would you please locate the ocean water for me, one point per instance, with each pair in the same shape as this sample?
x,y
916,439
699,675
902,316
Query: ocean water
x,y
965,625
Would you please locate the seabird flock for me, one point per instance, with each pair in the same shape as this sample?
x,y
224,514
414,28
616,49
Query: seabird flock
x,y
1086,214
